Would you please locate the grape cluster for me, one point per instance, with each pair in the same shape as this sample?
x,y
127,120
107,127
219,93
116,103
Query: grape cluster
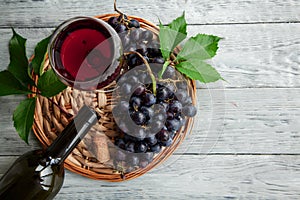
x,y
147,121
136,39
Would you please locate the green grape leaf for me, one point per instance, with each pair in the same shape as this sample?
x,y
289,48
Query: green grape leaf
x,y
49,84
200,47
23,117
9,84
199,70
39,56
170,36
18,65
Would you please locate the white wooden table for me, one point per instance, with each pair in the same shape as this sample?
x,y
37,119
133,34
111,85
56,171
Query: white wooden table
x,y
246,142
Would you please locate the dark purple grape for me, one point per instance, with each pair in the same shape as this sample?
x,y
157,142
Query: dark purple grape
x,y
139,134
163,94
189,110
159,60
155,148
113,21
188,100
173,125
181,96
120,155
151,140
138,118
130,146
143,163
167,143
175,107
162,135
142,49
125,89
147,156
133,80
140,90
170,115
156,126
132,60
147,36
135,35
149,99
170,72
134,23
165,106
125,41
123,127
120,28
182,85
133,160
140,147
147,111
123,106
135,102
120,143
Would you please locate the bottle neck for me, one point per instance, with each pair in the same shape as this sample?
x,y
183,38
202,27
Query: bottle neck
x,y
64,144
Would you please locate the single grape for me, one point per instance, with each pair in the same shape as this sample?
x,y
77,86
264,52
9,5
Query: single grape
x,y
130,146
181,96
155,148
147,36
142,49
113,21
140,90
173,124
120,155
167,143
134,23
120,143
170,72
143,164
189,110
159,60
151,140
135,102
162,93
175,107
125,41
149,99
140,147
165,106
138,117
125,89
147,111
162,135
133,160
135,35
120,28
139,134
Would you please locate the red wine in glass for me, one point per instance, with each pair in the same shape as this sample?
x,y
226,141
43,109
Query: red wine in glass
x,y
85,53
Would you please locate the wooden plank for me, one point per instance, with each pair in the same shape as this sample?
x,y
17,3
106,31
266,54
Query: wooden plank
x,y
50,13
196,177
233,121
249,56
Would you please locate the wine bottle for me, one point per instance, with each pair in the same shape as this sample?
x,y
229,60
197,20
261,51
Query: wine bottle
x,y
39,174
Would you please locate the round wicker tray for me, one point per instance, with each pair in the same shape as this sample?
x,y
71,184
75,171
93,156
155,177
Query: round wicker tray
x,y
91,157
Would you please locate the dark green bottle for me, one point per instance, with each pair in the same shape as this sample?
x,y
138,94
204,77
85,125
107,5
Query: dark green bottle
x,y
39,174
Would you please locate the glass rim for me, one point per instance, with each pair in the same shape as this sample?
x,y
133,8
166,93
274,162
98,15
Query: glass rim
x,y
62,26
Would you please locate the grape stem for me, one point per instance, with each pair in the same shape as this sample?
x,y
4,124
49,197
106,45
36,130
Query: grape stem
x,y
153,79
116,9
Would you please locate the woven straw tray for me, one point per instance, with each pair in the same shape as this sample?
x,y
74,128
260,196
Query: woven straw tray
x,y
91,158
